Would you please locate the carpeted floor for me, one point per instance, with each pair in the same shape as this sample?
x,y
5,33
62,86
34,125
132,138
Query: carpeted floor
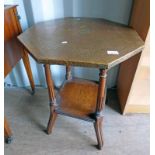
x,y
28,117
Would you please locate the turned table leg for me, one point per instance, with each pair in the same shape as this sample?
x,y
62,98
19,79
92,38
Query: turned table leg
x,y
68,73
7,132
28,70
52,99
100,105
99,133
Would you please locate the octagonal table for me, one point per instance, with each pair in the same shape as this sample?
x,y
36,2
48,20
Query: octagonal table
x,y
85,42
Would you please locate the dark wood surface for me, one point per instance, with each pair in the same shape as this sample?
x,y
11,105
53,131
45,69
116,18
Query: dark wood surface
x,y
88,41
13,52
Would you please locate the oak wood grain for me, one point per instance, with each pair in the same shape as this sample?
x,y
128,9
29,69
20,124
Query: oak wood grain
x,y
78,98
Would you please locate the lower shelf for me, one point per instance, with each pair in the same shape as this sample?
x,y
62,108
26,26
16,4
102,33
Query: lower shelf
x,y
78,98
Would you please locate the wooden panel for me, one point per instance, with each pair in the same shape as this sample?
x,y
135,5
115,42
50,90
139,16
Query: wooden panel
x,y
12,47
140,21
78,98
125,78
140,90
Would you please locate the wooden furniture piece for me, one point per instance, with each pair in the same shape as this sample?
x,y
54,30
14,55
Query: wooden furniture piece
x,y
13,52
140,89
140,21
84,42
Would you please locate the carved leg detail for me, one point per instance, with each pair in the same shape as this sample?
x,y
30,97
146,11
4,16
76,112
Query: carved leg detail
x,y
28,70
52,99
100,105
99,133
53,116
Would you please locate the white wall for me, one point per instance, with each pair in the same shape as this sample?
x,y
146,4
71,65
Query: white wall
x,y
33,11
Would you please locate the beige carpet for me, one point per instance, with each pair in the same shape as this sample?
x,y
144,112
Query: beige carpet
x,y
28,117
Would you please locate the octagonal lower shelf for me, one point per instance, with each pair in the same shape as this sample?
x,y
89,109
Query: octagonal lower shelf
x,y
78,98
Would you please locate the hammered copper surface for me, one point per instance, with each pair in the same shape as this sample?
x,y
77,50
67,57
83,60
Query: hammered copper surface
x,y
81,42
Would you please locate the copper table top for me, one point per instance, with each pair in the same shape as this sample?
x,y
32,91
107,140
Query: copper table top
x,y
81,42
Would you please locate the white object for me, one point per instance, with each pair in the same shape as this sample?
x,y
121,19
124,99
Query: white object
x,y
113,52
64,42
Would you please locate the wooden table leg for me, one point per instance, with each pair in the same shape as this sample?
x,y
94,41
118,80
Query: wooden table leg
x,y
100,105
28,70
52,99
7,132
68,73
